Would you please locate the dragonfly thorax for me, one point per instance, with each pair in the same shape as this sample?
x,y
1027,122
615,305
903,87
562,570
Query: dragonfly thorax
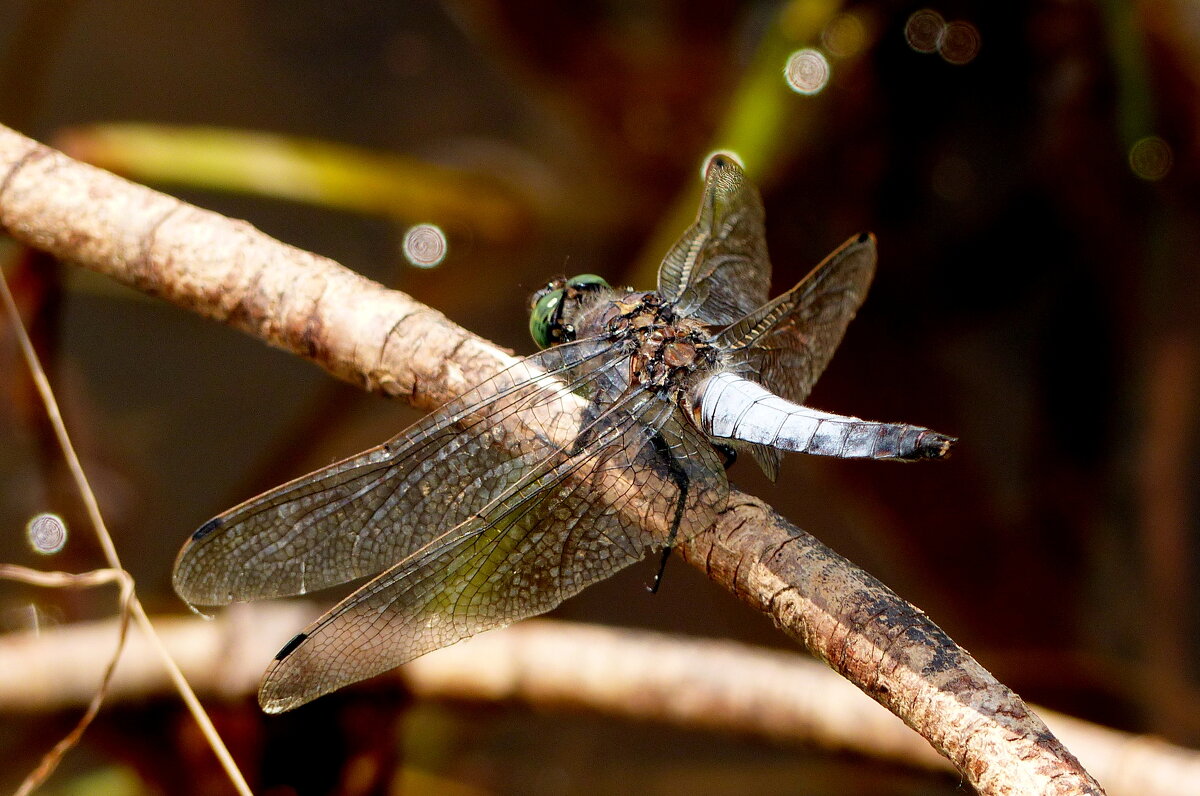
x,y
668,352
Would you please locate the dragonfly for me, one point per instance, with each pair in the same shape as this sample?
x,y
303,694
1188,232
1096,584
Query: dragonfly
x,y
608,444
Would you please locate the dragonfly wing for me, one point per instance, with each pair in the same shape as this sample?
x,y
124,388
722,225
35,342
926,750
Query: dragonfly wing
x,y
718,270
360,516
786,343
577,520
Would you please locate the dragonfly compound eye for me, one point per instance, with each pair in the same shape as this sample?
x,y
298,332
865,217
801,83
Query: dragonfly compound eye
x,y
546,324
545,319
585,282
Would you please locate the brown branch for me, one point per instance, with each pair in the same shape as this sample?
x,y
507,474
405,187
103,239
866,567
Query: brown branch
x,y
382,340
720,686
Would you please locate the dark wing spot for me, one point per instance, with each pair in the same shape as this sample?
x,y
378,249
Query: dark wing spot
x,y
207,528
863,237
290,647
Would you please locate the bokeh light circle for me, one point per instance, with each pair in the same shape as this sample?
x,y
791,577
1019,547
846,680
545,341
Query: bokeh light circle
x,y
807,71
924,30
845,35
425,245
1151,158
960,43
47,533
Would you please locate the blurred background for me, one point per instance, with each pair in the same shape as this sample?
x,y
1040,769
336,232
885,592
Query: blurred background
x,y
1030,170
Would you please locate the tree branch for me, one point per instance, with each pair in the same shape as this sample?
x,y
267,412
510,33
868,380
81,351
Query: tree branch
x,y
720,686
384,341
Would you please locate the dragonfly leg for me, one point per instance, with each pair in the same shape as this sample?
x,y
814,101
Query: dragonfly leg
x,y
728,453
662,567
680,477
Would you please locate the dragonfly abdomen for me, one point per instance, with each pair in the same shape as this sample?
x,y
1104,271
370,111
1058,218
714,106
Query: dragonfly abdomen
x,y
732,407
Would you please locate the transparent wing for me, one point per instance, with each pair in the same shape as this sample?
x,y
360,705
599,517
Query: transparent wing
x,y
719,271
785,344
578,519
360,516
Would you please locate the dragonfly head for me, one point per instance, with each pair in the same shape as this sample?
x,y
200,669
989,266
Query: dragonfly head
x,y
552,307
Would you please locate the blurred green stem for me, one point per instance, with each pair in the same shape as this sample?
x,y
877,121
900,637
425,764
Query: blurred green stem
x,y
303,170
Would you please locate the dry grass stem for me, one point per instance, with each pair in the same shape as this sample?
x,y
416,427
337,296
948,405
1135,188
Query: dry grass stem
x,y
130,602
67,580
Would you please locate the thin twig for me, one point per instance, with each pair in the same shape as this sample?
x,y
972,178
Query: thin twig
x,y
106,542
67,580
382,340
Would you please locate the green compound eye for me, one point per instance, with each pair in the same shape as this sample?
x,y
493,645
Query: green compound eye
x,y
546,325
544,317
587,282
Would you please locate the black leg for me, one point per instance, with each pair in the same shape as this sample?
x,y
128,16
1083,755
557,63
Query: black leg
x,y
680,477
728,453
662,567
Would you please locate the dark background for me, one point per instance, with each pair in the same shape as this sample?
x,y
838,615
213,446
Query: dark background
x,y
1036,296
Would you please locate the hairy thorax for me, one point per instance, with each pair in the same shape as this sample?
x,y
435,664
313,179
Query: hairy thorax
x,y
668,353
